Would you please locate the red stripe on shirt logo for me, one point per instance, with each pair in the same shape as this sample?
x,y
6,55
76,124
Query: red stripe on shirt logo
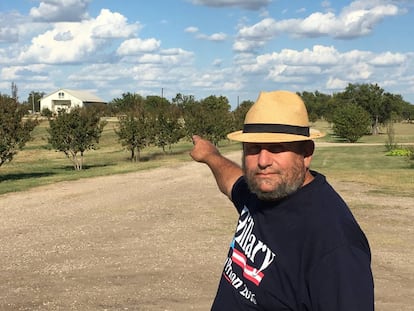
x,y
250,273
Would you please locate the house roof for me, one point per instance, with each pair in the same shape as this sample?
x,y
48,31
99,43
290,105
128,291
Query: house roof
x,y
83,95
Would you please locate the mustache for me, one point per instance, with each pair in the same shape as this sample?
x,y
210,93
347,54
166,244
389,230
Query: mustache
x,y
266,171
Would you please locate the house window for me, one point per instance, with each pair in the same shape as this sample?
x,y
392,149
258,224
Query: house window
x,y
61,95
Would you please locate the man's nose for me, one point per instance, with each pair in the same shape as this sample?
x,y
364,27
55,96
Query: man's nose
x,y
264,158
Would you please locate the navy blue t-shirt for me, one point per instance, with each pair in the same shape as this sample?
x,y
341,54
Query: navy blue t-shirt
x,y
304,252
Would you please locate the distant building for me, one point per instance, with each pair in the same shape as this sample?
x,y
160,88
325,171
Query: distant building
x,y
68,99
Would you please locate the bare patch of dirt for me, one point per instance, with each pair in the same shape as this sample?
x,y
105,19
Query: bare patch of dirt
x,y
157,240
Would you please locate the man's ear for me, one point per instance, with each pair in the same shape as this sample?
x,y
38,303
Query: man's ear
x,y
308,149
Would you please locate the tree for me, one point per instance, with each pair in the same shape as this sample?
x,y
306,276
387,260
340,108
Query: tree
x,y
156,104
375,101
408,113
74,132
351,122
14,90
240,113
209,118
135,131
183,101
317,105
168,127
128,102
14,131
33,101
396,106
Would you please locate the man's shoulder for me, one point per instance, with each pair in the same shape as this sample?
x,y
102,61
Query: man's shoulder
x,y
240,192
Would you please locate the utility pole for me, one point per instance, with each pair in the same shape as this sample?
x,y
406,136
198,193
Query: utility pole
x,y
33,111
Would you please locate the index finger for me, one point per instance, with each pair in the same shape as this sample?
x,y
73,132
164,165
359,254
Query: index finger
x,y
195,139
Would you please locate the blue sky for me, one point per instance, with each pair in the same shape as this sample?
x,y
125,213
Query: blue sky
x,y
234,48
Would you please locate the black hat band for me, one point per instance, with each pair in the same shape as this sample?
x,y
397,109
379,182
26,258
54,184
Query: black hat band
x,y
276,128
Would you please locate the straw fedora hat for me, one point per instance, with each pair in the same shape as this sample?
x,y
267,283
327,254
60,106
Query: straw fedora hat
x,y
278,116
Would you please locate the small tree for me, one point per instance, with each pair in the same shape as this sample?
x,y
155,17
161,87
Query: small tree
x,y
127,103
135,132
14,131
239,114
351,122
75,132
169,130
210,118
390,143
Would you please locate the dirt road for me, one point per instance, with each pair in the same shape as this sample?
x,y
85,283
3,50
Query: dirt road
x,y
157,240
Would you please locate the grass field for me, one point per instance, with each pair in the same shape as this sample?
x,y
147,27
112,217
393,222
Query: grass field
x,y
37,165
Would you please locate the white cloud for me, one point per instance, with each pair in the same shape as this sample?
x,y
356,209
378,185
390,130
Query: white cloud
x,y
265,29
232,86
77,42
191,29
8,34
10,26
254,37
220,36
214,37
13,72
63,36
326,67
137,46
321,56
388,59
113,25
101,74
16,28
176,56
145,71
60,11
335,84
247,45
358,19
29,77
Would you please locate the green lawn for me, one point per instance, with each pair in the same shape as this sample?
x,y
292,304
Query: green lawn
x,y
369,165
37,165
404,133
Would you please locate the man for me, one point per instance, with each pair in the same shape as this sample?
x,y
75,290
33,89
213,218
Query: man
x,y
297,245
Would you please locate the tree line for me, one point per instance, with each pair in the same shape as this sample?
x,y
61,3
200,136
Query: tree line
x,y
153,120
360,109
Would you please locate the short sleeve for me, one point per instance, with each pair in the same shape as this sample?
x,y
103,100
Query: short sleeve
x,y
240,194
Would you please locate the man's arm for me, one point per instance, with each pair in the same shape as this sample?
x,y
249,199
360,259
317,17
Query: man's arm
x,y
225,171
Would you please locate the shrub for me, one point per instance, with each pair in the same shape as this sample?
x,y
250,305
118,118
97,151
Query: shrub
x,y
14,130
74,132
401,152
46,112
390,142
351,122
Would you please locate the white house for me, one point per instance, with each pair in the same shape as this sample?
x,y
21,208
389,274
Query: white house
x,y
68,99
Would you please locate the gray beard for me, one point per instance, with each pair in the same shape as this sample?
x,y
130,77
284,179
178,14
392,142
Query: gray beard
x,y
285,188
